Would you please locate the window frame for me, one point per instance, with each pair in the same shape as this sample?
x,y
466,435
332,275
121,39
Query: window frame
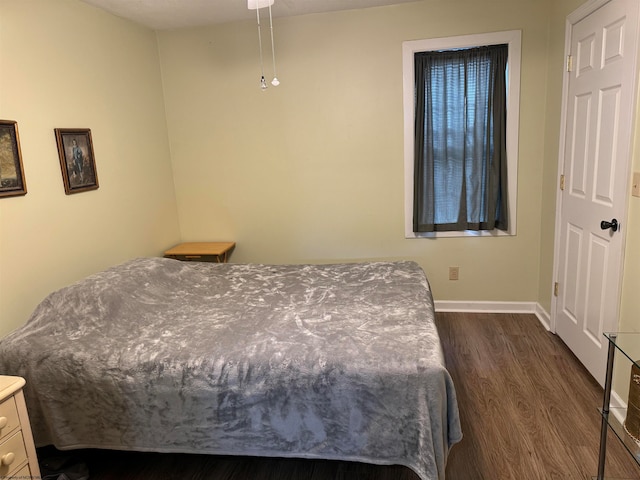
x,y
513,38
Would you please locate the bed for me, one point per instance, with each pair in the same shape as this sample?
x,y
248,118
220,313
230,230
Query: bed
x,y
310,361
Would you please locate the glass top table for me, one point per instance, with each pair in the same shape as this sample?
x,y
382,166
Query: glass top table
x,y
628,344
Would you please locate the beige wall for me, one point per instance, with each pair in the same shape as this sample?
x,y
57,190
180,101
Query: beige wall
x,y
65,64
630,306
312,171
309,172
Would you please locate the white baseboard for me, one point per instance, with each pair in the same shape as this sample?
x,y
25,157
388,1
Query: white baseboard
x,y
619,407
495,307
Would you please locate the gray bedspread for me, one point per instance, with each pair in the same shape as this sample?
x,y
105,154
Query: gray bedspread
x,y
314,361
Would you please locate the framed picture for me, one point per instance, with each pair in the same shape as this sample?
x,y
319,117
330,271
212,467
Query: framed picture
x,y
11,172
77,162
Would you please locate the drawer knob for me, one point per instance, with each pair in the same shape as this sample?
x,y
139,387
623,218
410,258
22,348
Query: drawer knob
x,y
7,458
3,422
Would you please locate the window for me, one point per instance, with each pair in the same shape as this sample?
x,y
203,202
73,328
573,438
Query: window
x,y
456,103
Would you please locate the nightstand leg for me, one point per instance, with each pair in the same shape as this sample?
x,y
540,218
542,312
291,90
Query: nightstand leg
x,y
605,409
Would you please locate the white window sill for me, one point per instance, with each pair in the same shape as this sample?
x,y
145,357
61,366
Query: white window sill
x,y
464,233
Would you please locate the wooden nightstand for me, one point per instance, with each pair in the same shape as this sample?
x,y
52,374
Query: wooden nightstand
x,y
17,451
202,251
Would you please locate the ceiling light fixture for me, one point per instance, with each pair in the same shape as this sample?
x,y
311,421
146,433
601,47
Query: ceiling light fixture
x,y
257,5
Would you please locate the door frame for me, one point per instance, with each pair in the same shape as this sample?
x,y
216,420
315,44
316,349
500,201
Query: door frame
x,y
572,19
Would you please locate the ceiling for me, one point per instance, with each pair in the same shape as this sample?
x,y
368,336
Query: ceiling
x,y
171,14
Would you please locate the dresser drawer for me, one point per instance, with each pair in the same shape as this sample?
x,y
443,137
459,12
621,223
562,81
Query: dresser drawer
x,y
13,452
23,474
197,258
9,420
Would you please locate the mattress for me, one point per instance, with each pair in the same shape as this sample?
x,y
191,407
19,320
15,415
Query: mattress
x,y
311,361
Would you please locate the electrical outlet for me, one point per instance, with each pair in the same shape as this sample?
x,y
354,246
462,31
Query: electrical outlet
x,y
454,273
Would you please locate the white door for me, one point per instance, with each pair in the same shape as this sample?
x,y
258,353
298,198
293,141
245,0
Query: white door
x,y
599,96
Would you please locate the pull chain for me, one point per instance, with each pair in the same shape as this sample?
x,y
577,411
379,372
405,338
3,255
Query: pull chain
x,y
263,83
275,82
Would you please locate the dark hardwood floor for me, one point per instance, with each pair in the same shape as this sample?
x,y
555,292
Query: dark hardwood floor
x,y
528,409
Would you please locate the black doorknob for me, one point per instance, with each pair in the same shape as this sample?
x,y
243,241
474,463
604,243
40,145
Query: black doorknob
x,y
613,225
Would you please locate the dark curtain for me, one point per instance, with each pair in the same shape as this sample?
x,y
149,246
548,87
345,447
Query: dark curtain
x,y
460,171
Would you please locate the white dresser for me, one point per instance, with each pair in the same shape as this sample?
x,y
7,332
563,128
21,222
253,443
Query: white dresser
x,y
17,452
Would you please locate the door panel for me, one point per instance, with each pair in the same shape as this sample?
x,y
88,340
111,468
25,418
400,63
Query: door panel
x,y
599,255
573,254
580,144
586,55
608,136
